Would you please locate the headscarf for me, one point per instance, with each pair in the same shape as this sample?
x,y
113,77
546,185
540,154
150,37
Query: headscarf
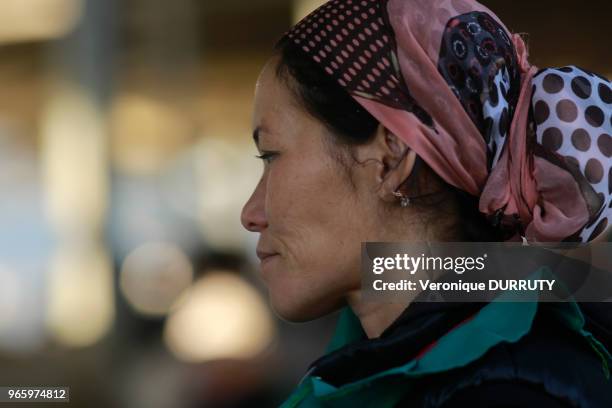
x,y
449,79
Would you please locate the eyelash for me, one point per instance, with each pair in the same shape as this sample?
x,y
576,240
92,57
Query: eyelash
x,y
266,157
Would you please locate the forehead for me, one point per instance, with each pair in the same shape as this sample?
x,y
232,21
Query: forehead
x,y
274,100
269,86
279,111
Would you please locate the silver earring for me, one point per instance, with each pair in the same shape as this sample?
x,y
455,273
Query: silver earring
x,y
404,201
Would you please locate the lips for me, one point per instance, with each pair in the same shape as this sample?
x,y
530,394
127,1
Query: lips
x,y
262,255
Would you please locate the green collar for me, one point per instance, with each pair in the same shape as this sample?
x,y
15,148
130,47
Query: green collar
x,y
476,336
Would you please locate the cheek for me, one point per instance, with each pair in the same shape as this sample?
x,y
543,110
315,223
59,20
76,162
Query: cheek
x,y
309,219
311,210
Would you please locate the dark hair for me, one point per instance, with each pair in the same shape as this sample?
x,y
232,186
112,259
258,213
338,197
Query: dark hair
x,y
352,125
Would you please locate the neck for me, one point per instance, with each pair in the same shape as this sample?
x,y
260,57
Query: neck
x,y
375,316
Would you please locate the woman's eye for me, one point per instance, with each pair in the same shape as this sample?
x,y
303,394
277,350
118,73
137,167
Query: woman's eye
x,y
266,157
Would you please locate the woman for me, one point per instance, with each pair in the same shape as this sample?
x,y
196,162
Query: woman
x,y
420,120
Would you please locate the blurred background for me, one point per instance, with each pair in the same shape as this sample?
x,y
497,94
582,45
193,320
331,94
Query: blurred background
x,y
125,159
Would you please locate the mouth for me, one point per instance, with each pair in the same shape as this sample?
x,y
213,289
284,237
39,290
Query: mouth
x,y
266,261
263,256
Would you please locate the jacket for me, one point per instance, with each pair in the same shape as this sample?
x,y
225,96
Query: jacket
x,y
500,354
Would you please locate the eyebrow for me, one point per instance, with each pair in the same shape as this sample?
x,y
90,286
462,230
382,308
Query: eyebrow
x,y
256,135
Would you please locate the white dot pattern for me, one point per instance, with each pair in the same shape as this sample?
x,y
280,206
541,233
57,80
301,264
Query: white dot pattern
x,y
573,114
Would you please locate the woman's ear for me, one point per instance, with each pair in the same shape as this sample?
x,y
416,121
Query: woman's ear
x,y
394,163
396,176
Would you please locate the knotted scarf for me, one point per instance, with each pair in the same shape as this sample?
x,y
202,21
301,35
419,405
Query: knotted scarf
x,y
448,78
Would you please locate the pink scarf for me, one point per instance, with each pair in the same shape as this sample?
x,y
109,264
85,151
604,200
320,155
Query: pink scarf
x,y
448,78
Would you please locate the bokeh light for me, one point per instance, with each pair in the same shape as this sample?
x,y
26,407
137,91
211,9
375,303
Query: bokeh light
x,y
146,133
74,159
26,20
302,8
221,317
153,276
80,295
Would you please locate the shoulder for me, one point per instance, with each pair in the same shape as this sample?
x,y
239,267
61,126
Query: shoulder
x,y
551,366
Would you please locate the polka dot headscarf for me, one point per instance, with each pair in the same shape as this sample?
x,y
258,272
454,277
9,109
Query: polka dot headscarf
x,y
448,78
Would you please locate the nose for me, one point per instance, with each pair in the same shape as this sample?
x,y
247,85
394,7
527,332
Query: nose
x,y
253,216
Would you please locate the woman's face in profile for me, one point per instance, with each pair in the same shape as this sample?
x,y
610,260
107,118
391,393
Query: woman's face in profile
x,y
309,219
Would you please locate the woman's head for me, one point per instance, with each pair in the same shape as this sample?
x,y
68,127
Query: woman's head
x,y
330,171
364,99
